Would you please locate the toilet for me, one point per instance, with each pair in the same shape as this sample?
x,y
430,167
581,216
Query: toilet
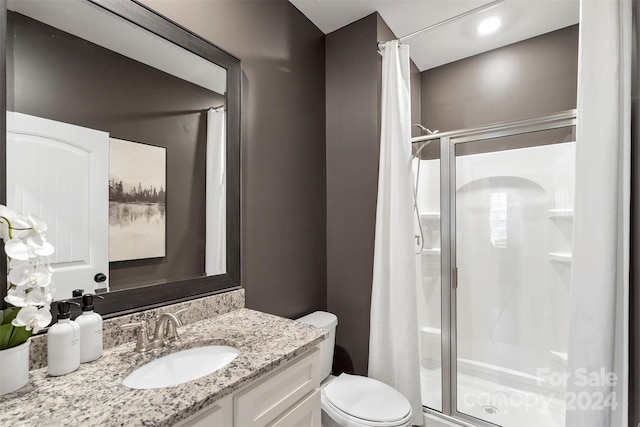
x,y
354,400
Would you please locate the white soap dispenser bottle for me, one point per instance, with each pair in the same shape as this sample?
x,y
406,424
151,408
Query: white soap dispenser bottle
x,y
90,330
63,343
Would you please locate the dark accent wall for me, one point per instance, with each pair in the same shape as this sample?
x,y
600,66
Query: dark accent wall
x,y
531,78
283,145
55,75
353,81
352,173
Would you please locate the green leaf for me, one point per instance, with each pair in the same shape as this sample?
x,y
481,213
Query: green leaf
x,y
11,336
5,336
9,314
20,335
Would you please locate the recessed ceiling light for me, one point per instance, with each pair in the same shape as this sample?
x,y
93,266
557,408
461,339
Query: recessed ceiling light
x,y
489,26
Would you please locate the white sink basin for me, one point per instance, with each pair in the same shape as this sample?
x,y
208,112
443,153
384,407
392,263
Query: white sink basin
x,y
180,367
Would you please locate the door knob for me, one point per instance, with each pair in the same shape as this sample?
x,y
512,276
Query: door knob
x,y
100,277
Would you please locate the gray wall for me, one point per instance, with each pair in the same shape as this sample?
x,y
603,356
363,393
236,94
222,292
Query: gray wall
x,y
353,78
283,145
352,172
531,78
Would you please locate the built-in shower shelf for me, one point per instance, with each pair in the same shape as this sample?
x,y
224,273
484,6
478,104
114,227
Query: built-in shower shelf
x,y
559,256
432,251
561,213
430,215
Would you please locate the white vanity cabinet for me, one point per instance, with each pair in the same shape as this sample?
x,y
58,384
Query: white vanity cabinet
x,y
218,414
289,396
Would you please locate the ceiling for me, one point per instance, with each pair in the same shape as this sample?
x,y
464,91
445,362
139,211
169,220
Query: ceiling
x,y
521,19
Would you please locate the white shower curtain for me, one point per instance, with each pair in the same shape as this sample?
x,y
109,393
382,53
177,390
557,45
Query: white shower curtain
x,y
216,230
598,343
393,340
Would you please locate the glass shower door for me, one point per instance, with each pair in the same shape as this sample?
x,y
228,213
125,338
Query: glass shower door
x,y
512,201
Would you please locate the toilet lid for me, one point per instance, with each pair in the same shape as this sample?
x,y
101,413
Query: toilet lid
x,y
367,399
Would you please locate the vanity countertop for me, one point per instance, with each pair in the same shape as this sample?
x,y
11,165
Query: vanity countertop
x,y
94,396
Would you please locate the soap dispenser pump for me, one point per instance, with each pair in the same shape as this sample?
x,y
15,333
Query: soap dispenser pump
x,y
63,342
90,330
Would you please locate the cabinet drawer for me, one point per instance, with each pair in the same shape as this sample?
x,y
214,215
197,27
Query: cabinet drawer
x,y
220,414
268,399
305,414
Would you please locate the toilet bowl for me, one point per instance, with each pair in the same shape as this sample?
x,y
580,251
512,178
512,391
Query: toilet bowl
x,y
354,400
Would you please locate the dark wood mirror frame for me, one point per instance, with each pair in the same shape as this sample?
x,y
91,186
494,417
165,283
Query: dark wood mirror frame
x,y
126,301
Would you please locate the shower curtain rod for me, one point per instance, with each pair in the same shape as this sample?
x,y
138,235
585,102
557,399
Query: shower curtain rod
x,y
447,21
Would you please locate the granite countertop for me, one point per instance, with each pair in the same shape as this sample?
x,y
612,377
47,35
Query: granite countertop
x,y
94,396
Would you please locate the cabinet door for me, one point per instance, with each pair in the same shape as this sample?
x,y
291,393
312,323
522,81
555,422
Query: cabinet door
x,y
268,399
305,414
219,414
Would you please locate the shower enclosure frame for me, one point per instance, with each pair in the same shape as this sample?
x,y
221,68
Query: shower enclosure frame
x,y
448,142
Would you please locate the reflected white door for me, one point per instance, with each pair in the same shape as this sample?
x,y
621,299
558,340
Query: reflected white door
x,y
60,172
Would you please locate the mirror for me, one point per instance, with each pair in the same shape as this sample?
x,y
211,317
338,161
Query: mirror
x,y
122,133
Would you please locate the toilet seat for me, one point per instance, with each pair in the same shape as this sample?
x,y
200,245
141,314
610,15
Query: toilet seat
x,y
365,402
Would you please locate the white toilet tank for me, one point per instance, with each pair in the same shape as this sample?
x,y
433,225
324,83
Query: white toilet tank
x,y
329,321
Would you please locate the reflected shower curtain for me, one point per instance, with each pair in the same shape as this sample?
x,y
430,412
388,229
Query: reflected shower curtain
x,y
598,343
216,234
393,340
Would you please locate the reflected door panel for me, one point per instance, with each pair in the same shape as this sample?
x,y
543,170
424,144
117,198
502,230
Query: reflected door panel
x,y
59,172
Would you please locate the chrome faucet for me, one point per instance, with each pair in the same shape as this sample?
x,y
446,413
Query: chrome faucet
x,y
166,331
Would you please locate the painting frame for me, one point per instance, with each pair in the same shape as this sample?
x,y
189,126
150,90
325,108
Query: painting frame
x,y
137,200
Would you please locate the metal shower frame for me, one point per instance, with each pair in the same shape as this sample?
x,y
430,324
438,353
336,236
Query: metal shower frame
x,y
448,267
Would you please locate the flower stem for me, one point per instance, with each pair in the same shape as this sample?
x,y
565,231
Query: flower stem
x,y
10,228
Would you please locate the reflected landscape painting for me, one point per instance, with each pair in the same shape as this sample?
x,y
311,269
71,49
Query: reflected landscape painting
x,y
137,200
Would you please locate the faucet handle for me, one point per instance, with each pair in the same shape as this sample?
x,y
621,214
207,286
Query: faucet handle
x,y
182,310
172,326
142,343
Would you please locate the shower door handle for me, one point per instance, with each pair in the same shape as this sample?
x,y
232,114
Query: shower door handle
x,y
454,278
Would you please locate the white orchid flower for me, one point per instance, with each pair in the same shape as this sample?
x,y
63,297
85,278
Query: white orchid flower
x,y
37,229
16,249
26,274
42,276
37,224
33,318
6,216
17,296
29,274
38,297
13,263
40,247
7,213
19,275
20,228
